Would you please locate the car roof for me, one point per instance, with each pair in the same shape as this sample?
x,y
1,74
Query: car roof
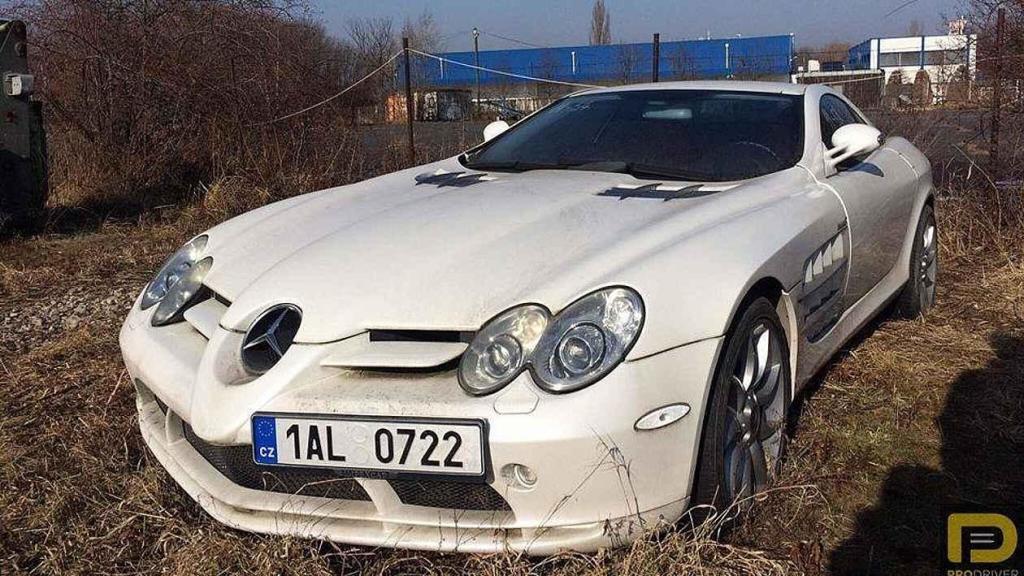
x,y
720,85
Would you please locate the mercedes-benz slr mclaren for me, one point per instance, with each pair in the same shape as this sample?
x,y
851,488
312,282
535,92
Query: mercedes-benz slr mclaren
x,y
566,336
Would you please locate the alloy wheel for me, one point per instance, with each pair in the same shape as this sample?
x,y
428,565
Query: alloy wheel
x,y
928,264
755,422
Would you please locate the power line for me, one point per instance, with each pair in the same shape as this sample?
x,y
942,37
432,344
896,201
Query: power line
x,y
898,8
451,35
500,72
326,100
513,40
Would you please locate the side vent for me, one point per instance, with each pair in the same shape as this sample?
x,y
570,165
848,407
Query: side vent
x,y
821,302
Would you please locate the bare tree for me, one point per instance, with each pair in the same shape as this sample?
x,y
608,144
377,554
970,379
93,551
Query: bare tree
x,y
683,65
915,28
628,62
423,33
600,25
373,40
981,20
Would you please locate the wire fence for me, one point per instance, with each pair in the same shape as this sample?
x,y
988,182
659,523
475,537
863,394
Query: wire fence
x,y
951,120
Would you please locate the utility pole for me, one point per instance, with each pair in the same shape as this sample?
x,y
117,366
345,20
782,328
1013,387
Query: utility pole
x,y
997,94
656,47
476,61
409,110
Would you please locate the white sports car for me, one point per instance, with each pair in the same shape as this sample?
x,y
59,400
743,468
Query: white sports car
x,y
574,332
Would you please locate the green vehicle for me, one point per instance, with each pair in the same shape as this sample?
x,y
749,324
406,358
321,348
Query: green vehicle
x,y
23,185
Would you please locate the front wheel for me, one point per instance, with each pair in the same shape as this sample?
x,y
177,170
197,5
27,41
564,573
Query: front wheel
x,y
919,293
744,433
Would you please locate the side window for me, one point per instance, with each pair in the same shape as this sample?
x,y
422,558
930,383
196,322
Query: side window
x,y
834,115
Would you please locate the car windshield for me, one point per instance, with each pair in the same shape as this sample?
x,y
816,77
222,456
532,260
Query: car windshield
x,y
700,135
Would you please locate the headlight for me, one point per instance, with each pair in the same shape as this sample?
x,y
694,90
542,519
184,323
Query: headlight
x,y
177,283
501,349
588,339
181,293
570,351
172,271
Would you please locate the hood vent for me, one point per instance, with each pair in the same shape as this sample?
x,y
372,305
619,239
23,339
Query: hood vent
x,y
399,350
661,192
420,336
205,314
443,178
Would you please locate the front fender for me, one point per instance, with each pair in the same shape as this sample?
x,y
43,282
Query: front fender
x,y
692,287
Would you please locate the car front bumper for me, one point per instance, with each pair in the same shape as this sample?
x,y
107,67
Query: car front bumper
x,y
600,482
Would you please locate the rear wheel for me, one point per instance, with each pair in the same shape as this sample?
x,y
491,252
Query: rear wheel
x,y
919,293
744,431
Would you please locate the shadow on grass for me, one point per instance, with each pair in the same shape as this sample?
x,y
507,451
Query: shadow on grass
x,y
982,430
93,215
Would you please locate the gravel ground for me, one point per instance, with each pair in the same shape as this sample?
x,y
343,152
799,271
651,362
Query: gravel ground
x,y
36,322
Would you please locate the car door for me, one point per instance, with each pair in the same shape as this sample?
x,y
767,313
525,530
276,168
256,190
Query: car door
x,y
877,193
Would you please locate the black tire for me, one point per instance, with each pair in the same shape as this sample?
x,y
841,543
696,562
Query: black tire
x,y
711,492
914,300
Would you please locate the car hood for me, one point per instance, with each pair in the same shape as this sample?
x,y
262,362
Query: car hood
x,y
422,249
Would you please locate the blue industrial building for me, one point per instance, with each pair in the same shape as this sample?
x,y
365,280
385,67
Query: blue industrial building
x,y
742,57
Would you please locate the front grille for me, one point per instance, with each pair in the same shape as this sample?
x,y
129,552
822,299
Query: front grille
x,y
235,463
446,494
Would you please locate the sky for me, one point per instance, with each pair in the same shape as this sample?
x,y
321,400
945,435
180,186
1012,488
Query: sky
x,y
566,22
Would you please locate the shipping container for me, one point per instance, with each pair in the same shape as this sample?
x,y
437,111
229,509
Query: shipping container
x,y
741,57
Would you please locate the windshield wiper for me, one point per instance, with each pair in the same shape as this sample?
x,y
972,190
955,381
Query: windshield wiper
x,y
636,170
644,171
514,166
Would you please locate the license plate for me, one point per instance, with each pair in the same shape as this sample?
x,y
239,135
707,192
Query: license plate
x,y
415,446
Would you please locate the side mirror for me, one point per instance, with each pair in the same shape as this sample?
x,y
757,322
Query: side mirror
x,y
853,141
494,129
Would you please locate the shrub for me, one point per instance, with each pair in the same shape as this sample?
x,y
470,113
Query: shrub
x,y
148,102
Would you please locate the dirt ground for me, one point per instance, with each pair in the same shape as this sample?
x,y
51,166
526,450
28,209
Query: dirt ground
x,y
912,419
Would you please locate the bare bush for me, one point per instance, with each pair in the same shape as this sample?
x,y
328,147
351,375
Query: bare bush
x,y
147,101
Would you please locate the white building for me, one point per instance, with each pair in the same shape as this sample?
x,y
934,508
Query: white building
x,y
942,57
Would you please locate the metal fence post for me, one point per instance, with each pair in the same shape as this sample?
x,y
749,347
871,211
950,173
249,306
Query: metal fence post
x,y
656,49
409,109
476,62
997,95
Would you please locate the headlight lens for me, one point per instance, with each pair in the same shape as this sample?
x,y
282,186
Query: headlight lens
x,y
500,350
588,339
183,291
176,267
570,351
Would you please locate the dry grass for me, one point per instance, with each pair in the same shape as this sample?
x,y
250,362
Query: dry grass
x,y
875,454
